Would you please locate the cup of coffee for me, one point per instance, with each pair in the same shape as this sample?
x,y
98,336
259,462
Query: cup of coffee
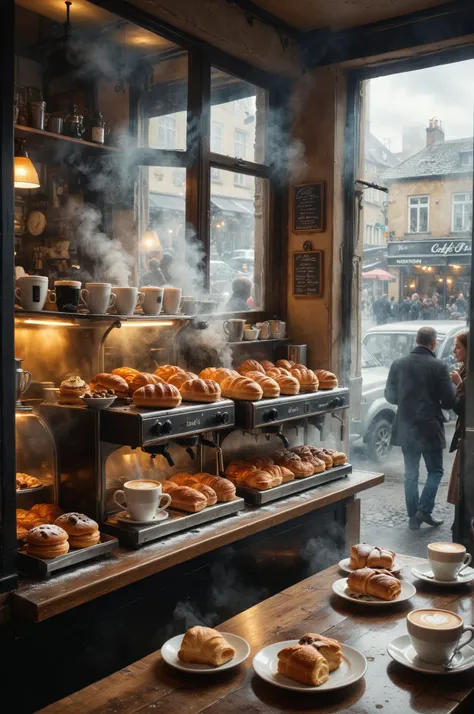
x,y
31,292
171,300
153,299
189,305
264,328
127,300
234,329
436,634
66,295
142,498
447,560
98,297
277,329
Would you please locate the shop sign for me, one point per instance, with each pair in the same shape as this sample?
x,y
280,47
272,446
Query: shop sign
x,y
429,252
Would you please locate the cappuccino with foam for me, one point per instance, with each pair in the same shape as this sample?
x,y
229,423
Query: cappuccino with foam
x,y
447,559
143,499
436,634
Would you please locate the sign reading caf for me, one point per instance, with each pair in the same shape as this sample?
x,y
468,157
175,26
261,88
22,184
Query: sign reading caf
x,y
428,252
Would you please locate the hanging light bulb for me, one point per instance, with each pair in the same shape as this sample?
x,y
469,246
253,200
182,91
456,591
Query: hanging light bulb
x,y
150,240
24,173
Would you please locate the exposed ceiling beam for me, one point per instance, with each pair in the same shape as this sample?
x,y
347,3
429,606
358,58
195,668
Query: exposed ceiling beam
x,y
444,22
255,12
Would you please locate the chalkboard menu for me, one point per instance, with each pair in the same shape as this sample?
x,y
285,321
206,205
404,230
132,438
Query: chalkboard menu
x,y
308,273
308,207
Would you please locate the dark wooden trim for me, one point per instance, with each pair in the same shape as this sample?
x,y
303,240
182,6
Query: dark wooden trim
x,y
437,24
8,542
253,11
229,163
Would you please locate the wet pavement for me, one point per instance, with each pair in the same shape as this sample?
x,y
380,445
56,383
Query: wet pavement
x,y
383,515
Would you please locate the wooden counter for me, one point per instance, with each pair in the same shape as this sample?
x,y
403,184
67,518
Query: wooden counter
x,y
310,606
39,601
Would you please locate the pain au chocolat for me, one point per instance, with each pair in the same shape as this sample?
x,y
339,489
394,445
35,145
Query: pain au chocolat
x,y
104,380
200,390
157,396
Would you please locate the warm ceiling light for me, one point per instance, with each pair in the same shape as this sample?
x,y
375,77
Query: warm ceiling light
x,y
150,240
24,173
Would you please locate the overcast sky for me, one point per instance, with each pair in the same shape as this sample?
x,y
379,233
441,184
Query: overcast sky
x,y
413,98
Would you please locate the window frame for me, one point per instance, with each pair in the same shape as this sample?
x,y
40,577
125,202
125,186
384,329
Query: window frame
x,y
460,203
418,206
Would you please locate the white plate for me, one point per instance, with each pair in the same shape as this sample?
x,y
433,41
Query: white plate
x,y
353,668
127,518
170,650
344,565
421,571
401,650
341,588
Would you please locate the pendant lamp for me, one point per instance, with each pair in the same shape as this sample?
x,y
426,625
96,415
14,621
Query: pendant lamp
x,y
24,173
150,240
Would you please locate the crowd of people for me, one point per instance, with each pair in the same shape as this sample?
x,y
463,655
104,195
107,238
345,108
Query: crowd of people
x,y
417,307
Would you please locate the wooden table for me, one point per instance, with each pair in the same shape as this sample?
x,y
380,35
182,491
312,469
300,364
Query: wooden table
x,y
150,685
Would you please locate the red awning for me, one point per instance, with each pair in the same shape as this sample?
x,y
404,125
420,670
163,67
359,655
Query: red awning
x,y
378,274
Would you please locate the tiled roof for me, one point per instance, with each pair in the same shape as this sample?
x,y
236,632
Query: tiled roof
x,y
442,159
378,153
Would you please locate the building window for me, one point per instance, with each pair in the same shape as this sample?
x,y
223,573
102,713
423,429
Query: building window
x,y
166,132
240,144
418,214
462,212
217,130
179,178
466,158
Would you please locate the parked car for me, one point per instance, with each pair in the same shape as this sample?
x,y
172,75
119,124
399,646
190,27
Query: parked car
x,y
222,276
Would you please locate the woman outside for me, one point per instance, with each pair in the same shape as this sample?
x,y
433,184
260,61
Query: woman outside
x,y
458,377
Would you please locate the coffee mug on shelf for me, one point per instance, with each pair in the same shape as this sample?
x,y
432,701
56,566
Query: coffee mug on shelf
x,y
436,634
66,295
447,560
277,329
189,305
142,498
153,299
31,292
98,297
234,329
171,300
127,300
264,328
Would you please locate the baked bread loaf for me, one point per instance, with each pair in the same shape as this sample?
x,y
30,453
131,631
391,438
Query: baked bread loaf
x,y
110,381
47,541
157,396
291,461
306,377
327,380
25,481
82,530
206,491
304,664
275,372
286,474
166,370
241,388
266,364
329,648
127,373
200,390
179,378
185,498
225,489
142,379
288,385
206,646
269,386
250,365
263,480
339,458
71,390
183,478
221,374
47,511
368,556
232,468
261,462
306,454
377,583
285,364
208,373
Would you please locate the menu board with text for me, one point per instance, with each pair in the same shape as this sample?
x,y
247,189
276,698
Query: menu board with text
x,y
308,273
308,207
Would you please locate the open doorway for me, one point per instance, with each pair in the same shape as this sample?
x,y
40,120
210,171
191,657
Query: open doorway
x,y
414,205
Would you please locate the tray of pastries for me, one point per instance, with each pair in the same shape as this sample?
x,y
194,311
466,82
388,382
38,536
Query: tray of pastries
x,y
53,545
25,482
262,479
282,378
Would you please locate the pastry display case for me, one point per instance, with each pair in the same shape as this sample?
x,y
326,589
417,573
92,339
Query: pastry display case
x,y
36,464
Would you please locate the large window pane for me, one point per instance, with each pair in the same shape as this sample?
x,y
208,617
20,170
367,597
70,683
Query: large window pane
x,y
239,209
238,114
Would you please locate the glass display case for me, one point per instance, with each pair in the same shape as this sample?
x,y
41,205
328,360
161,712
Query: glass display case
x,y
36,463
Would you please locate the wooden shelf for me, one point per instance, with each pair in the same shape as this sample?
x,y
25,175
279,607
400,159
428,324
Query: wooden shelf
x,y
38,137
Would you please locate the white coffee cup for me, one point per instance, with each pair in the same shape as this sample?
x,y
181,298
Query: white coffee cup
x,y
436,634
153,299
98,297
447,559
171,300
32,292
127,300
142,499
277,329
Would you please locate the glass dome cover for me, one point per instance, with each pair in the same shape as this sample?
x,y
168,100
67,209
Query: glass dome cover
x,y
35,449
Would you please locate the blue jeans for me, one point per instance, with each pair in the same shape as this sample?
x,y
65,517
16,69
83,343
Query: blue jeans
x,y
434,466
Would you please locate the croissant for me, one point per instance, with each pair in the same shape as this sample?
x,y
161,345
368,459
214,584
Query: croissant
x,y
167,370
269,386
327,380
224,488
363,555
261,461
206,491
338,457
237,466
186,498
183,479
206,646
305,453
240,476
47,511
127,373
263,480
250,365
291,461
241,388
330,649
304,664
378,583
110,381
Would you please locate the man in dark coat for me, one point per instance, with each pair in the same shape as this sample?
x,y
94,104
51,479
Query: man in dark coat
x,y
419,384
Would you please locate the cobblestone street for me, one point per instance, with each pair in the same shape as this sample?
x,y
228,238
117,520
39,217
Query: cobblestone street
x,y
383,515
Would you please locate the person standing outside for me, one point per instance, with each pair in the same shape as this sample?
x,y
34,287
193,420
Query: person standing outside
x,y
420,385
458,378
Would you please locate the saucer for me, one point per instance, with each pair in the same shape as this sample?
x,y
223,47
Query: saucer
x,y
422,571
353,667
402,651
170,649
344,565
341,588
127,518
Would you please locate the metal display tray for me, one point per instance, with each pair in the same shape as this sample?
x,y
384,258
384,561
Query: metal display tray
x,y
133,536
43,568
259,498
